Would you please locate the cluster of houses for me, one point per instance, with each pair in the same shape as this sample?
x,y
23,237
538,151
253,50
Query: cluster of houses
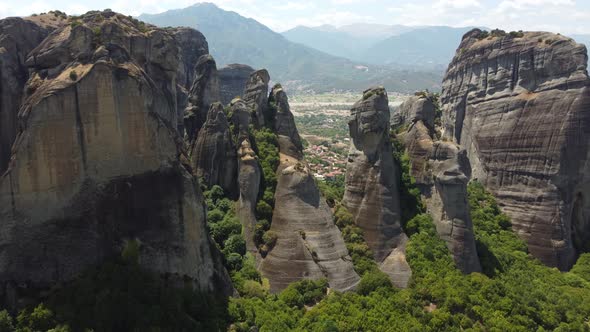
x,y
324,163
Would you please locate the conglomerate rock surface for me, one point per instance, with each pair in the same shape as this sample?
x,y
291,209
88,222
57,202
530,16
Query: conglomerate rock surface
x,y
520,105
372,193
98,161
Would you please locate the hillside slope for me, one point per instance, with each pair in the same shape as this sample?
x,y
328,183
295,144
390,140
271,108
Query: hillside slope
x,y
236,39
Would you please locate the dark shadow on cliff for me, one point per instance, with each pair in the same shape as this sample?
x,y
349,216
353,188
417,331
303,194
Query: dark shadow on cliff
x,y
122,296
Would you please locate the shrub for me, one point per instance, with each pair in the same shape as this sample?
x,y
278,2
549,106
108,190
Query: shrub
x,y
264,210
39,319
270,239
6,323
234,261
291,297
234,244
73,75
222,230
252,288
215,216
130,252
372,281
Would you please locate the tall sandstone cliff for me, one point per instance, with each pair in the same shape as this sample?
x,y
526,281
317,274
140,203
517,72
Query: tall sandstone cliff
x,y
520,106
98,161
372,193
203,93
441,170
309,245
18,37
213,155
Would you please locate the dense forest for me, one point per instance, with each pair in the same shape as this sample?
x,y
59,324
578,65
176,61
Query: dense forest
x,y
515,292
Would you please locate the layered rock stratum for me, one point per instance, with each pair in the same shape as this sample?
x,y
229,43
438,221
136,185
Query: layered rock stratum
x,y
519,104
98,161
441,170
372,193
309,245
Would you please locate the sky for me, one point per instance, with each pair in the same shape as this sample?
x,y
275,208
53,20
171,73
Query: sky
x,y
564,16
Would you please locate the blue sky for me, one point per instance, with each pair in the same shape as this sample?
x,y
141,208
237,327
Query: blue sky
x,y
565,16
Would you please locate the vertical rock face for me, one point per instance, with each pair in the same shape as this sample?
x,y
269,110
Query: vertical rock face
x,y
249,173
416,108
192,45
284,124
309,245
441,170
98,162
203,93
256,95
232,81
520,107
18,37
214,154
371,193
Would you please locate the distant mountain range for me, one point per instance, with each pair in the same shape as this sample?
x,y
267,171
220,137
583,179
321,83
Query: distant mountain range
x,y
235,39
397,45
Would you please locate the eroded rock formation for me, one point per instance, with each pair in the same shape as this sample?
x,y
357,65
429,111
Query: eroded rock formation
x,y
520,105
372,194
18,37
309,245
441,170
249,173
214,155
256,95
98,161
192,45
232,81
203,93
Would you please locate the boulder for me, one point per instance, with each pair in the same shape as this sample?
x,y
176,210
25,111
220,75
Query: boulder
x,y
518,103
372,194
